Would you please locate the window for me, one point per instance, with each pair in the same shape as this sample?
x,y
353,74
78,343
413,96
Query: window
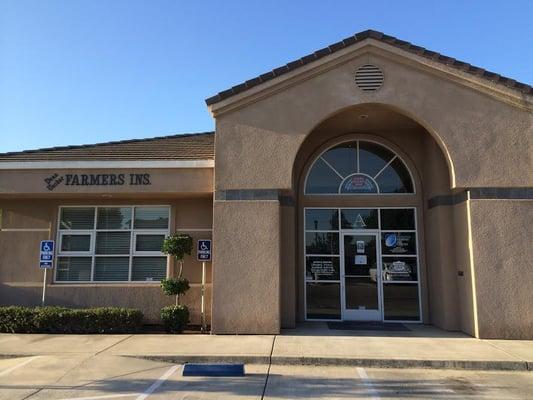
x,y
327,237
358,167
112,244
322,263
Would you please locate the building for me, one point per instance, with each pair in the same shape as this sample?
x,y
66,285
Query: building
x,y
370,180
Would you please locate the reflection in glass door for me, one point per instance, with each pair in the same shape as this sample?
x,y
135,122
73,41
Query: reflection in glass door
x,y
361,272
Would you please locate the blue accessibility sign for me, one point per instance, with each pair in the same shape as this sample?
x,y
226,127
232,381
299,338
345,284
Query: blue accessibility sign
x,y
46,256
204,250
47,246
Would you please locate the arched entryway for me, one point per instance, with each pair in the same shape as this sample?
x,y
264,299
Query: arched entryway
x,y
361,263
362,181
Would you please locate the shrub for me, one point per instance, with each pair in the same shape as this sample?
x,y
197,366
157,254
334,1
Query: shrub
x,y
177,246
15,319
175,318
175,287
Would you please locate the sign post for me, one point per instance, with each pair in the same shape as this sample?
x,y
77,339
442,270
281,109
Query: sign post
x,y
46,262
203,255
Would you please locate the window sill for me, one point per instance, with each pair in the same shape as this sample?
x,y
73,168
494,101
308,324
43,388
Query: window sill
x,y
103,284
116,284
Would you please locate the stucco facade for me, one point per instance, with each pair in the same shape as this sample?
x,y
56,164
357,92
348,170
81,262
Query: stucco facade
x,y
465,140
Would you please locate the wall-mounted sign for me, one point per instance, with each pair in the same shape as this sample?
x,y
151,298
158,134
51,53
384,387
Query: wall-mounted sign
x,y
358,183
322,267
133,179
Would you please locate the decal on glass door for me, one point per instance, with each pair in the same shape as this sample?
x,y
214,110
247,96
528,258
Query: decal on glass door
x,y
360,260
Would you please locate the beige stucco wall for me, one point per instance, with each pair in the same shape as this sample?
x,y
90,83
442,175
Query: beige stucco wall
x,y
465,289
246,276
439,239
441,264
473,128
25,222
289,272
503,262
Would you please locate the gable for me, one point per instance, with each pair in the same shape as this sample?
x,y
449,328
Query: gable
x,y
368,41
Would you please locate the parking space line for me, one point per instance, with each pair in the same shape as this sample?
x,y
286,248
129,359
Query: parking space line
x,y
104,396
153,387
14,367
366,382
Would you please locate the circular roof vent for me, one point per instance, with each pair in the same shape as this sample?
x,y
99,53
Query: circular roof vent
x,y
369,78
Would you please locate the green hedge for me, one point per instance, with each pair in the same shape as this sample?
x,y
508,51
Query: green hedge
x,y
175,318
16,319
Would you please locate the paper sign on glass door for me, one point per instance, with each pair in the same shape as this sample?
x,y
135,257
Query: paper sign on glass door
x,y
360,260
360,244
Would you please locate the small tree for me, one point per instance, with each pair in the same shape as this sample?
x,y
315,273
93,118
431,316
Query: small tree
x,y
176,245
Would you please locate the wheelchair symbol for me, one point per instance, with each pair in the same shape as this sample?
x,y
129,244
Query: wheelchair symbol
x,y
47,246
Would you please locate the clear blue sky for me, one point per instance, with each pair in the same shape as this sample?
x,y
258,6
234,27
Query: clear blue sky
x,y
86,71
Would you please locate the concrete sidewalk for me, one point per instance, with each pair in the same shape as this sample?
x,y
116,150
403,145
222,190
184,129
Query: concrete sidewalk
x,y
424,347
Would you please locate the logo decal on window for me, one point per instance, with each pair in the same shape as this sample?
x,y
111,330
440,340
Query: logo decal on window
x,y
358,183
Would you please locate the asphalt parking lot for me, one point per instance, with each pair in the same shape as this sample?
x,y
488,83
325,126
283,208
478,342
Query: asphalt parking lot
x,y
78,376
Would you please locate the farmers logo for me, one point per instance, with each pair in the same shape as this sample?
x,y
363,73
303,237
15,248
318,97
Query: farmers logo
x,y
358,184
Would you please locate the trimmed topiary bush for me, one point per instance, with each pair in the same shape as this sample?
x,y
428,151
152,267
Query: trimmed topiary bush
x,y
175,287
175,318
15,319
178,246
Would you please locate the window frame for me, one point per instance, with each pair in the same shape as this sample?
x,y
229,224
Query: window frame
x,y
93,233
155,232
76,232
395,153
417,256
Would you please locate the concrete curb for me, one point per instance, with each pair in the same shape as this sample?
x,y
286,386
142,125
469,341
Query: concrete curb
x,y
332,361
8,356
405,363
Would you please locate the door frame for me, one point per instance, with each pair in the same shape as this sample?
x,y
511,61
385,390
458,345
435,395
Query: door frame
x,y
361,315
419,257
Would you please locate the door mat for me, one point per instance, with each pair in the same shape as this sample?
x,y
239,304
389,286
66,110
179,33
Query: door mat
x,y
368,326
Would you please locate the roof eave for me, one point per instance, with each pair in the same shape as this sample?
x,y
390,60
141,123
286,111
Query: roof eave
x,y
106,164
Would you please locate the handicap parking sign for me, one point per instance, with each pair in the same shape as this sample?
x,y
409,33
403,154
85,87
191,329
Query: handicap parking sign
x,y
47,246
204,250
46,256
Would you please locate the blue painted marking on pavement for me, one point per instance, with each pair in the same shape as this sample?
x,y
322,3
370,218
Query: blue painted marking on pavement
x,y
213,370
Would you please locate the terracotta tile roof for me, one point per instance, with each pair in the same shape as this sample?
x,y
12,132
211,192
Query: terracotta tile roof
x,y
371,34
192,146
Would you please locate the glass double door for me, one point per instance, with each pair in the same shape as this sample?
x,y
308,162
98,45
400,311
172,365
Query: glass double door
x,y
361,277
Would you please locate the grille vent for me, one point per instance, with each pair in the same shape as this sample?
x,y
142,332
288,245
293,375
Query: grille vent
x,y
369,78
